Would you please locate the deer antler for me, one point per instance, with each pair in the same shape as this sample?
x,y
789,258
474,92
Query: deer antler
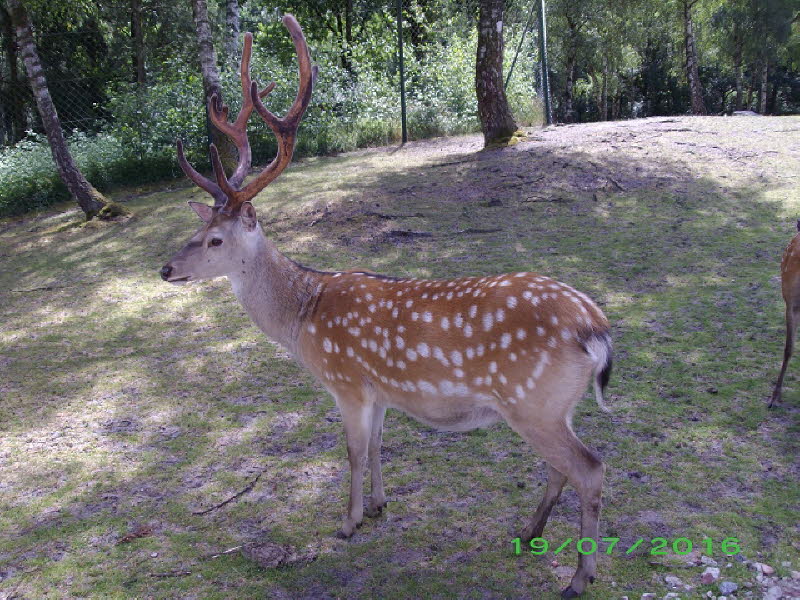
x,y
227,192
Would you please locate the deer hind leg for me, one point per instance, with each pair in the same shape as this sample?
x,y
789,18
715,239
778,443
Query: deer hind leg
x,y
357,419
792,314
566,455
555,483
377,498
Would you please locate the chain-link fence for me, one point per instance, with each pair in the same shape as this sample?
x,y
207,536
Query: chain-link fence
x,y
122,103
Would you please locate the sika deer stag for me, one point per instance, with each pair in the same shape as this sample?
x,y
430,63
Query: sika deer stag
x,y
454,354
790,286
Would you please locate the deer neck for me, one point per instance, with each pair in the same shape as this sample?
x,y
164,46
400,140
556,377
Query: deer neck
x,y
276,292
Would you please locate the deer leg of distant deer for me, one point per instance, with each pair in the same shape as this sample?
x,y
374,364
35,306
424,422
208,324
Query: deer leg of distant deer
x,y
555,483
791,327
377,498
357,419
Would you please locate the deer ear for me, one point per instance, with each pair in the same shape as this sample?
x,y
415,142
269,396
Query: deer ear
x,y
204,211
247,213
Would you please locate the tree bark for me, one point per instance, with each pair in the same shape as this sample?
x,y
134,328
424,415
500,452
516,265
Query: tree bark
x,y
16,109
497,122
232,33
762,100
692,71
137,37
569,84
211,81
604,93
89,199
739,85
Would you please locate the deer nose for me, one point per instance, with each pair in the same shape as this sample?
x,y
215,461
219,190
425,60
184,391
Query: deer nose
x,y
166,271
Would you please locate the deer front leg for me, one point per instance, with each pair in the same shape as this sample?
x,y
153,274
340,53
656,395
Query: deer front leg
x,y
357,419
377,498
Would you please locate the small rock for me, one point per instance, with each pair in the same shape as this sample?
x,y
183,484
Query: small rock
x,y
728,587
673,581
795,574
672,596
722,598
564,572
786,564
521,485
773,593
729,565
154,555
710,575
707,560
713,390
766,569
648,596
709,594
554,563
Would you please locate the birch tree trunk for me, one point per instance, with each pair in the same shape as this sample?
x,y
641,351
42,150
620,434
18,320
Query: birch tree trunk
x,y
497,123
692,71
89,199
232,33
211,82
762,101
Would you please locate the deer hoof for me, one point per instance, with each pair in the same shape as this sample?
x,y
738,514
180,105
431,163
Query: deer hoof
x,y
569,592
374,511
343,536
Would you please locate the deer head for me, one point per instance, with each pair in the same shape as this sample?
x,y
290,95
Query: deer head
x,y
230,234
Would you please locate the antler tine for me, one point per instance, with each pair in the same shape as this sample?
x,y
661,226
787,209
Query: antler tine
x,y
222,181
285,129
200,181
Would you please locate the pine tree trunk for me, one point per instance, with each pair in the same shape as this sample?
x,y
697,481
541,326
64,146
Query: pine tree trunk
x,y
137,37
569,85
89,199
692,71
604,94
211,82
232,33
762,101
737,67
497,122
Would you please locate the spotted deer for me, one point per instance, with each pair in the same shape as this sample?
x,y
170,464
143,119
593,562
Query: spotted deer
x,y
454,354
790,286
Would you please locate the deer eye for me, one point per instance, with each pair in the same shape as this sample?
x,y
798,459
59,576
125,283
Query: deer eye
x,y
215,242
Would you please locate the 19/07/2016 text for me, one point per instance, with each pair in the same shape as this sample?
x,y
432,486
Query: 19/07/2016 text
x,y
659,546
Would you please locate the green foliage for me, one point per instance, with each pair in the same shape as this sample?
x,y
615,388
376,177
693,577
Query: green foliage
x,y
30,181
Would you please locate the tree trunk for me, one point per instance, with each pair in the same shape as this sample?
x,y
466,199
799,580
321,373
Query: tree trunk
x,y
497,122
737,67
604,93
89,199
773,100
14,87
762,101
347,50
692,71
569,70
232,33
137,37
211,84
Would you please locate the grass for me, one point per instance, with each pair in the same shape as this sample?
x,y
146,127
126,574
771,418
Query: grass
x,y
129,403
